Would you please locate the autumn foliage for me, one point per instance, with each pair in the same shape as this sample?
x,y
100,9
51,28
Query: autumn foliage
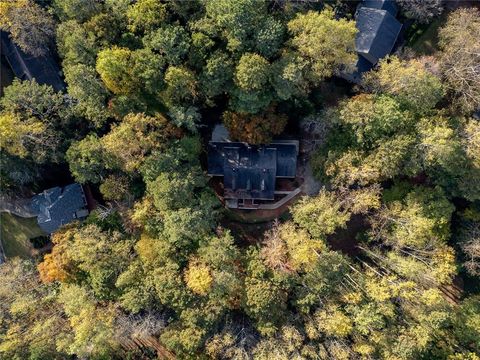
x,y
254,129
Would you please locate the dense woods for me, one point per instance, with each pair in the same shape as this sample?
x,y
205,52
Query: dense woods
x,y
157,266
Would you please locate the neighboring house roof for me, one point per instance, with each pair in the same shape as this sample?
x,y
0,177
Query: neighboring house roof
x,y
377,33
476,114
249,171
44,69
59,206
388,5
362,65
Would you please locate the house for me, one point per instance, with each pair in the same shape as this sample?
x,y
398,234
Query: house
x,y
59,206
250,172
44,69
378,30
388,5
476,114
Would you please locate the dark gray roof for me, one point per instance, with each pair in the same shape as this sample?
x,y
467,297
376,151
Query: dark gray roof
x,y
377,33
44,69
362,65
476,114
59,206
249,171
388,5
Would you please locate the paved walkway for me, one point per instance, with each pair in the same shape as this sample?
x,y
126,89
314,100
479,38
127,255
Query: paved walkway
x,y
310,185
280,203
16,206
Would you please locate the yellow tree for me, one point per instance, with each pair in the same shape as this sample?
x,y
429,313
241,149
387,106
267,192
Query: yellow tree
x,y
326,42
137,136
18,136
409,81
198,277
58,265
320,215
31,27
460,57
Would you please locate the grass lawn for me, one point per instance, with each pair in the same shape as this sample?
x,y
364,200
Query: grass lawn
x,y
15,234
424,38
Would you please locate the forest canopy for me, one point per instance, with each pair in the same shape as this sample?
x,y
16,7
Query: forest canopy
x,y
381,262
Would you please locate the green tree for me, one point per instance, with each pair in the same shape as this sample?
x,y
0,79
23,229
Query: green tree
x,y
87,160
333,322
251,72
146,15
92,325
185,117
373,118
372,139
132,75
171,190
467,323
16,172
185,227
327,43
321,281
265,297
472,141
102,256
421,11
392,158
85,87
106,27
418,220
270,36
116,188
181,86
32,323
217,75
75,45
409,81
78,10
30,26
136,295
290,76
25,138
29,99
446,156
116,68
221,254
171,41
236,20
460,52
42,115
132,140
288,247
250,102
320,215
439,143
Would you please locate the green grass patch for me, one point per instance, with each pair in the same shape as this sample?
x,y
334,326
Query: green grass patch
x,y
423,39
15,234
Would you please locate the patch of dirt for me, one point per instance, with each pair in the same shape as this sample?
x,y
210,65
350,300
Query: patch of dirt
x,y
246,234
345,240
310,186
